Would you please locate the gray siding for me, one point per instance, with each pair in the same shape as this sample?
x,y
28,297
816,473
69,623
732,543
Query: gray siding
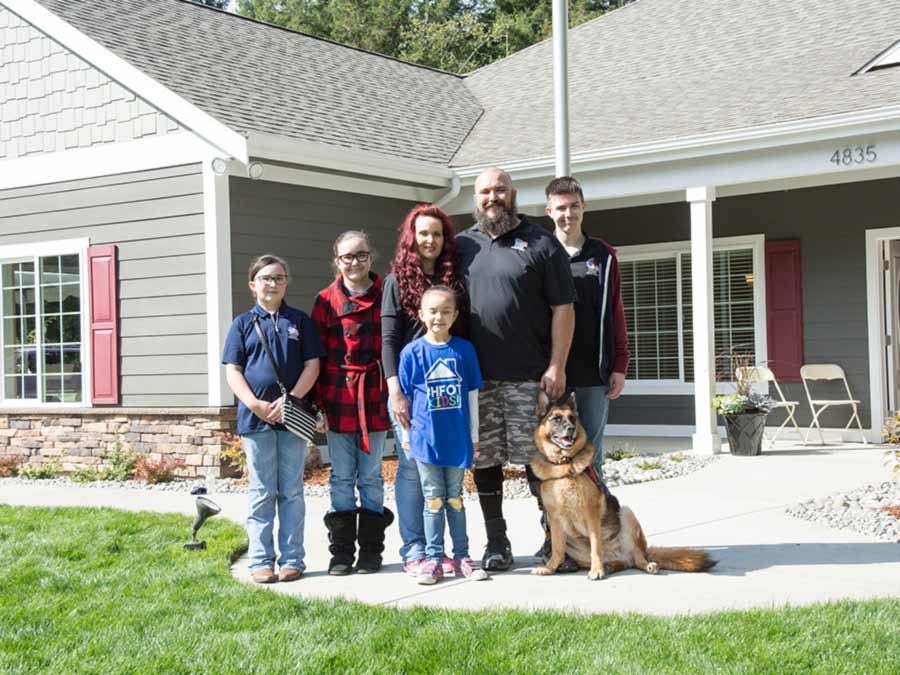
x,y
156,220
51,100
300,224
830,223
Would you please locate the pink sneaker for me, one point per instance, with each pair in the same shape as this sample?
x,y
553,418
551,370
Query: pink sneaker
x,y
430,573
413,567
467,568
448,567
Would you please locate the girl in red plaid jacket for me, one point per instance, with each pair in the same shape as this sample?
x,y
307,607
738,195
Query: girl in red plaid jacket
x,y
353,393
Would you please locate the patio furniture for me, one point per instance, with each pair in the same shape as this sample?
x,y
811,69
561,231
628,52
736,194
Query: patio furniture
x,y
828,371
764,374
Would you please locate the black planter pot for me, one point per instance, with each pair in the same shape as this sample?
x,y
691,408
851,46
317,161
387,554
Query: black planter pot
x,y
745,432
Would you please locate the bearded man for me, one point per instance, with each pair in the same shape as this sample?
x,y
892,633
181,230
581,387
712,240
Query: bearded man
x,y
522,318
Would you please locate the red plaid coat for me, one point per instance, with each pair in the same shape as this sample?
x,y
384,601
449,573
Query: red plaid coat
x,y
351,386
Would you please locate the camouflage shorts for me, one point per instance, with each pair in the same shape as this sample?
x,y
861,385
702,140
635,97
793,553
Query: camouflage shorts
x,y
506,421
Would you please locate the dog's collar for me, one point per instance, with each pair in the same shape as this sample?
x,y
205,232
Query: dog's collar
x,y
565,460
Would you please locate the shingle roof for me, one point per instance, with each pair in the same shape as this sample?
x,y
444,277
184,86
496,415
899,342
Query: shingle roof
x,y
664,69
255,77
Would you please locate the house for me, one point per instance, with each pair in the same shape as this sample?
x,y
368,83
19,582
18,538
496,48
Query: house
x,y
743,152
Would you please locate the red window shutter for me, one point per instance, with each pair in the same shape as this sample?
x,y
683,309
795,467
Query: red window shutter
x,y
104,324
784,309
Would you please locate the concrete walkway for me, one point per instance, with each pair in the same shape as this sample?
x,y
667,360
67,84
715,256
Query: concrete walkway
x,y
733,508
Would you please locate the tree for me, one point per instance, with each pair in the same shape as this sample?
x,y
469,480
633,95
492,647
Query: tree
x,y
218,4
454,35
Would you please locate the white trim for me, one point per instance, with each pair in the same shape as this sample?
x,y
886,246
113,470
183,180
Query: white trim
x,y
339,182
143,86
349,160
104,160
756,242
781,134
32,251
874,320
217,239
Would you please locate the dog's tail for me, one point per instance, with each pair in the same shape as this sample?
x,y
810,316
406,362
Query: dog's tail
x,y
681,559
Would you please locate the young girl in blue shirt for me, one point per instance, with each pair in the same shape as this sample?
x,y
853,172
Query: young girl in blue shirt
x,y
440,375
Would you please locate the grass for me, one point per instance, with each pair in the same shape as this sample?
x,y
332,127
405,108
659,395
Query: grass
x,y
649,465
105,591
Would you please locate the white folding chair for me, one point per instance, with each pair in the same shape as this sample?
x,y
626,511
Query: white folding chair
x,y
828,371
763,374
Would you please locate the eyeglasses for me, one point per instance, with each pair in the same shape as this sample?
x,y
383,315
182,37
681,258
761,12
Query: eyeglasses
x,y
280,280
348,258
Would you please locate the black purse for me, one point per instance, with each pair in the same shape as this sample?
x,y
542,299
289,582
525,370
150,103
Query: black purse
x,y
299,415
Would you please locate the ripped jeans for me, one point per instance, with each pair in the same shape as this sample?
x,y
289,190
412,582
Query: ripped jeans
x,y
442,489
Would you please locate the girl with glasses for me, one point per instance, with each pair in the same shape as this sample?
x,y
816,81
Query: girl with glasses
x,y
275,456
352,391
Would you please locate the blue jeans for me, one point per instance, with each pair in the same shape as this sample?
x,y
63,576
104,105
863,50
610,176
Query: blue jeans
x,y
593,409
275,466
408,492
442,490
353,469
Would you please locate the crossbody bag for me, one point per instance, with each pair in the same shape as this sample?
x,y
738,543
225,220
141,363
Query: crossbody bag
x,y
299,416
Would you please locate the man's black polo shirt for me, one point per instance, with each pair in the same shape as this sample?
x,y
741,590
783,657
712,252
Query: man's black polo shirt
x,y
513,281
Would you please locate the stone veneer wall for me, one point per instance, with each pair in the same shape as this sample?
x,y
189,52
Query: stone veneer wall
x,y
84,437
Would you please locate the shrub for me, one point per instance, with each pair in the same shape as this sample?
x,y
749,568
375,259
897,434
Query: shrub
x,y
120,463
9,465
233,454
677,457
87,475
650,465
617,454
156,471
34,471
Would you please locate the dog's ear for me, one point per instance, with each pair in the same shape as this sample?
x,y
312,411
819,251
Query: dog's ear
x,y
543,404
572,402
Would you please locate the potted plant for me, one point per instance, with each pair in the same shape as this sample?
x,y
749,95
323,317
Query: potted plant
x,y
744,412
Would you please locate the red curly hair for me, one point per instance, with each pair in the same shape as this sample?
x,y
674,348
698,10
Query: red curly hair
x,y
407,265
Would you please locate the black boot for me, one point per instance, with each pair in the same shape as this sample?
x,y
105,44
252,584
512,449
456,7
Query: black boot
x,y
342,535
498,552
371,539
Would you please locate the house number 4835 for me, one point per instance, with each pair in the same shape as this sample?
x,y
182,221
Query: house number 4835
x,y
860,154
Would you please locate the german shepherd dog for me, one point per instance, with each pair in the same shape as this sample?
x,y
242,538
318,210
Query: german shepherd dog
x,y
586,521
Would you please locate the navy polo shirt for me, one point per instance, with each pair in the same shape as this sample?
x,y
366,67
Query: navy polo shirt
x,y
513,281
292,340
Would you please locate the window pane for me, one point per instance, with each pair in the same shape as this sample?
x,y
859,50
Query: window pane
x,y
51,299
13,361
12,302
68,265
13,387
71,388
52,359
25,275
53,385
12,332
72,358
51,329
30,386
29,326
71,297
28,301
71,328
50,270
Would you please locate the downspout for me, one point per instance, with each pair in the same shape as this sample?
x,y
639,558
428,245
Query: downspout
x,y
450,194
561,86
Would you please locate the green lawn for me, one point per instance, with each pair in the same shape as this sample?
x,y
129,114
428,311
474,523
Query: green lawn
x,y
104,591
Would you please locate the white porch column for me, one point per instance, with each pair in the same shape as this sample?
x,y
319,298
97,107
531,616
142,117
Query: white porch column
x,y
706,436
217,237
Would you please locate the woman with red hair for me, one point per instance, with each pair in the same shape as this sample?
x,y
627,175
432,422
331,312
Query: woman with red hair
x,y
426,256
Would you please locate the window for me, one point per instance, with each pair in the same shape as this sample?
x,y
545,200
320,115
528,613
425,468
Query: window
x,y
656,290
42,325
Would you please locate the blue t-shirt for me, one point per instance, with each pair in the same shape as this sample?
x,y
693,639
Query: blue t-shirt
x,y
292,340
438,379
